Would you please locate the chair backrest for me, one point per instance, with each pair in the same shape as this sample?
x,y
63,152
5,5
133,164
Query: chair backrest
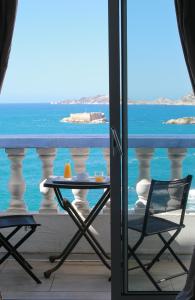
x,y
165,196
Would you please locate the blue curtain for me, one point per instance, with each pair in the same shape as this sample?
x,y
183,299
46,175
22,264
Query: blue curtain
x,y
7,20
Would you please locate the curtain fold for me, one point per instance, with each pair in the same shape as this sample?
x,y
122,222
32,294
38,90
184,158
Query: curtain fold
x,y
7,20
185,11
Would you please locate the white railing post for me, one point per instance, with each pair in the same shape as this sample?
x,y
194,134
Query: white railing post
x,y
144,156
106,152
176,156
80,155
142,189
16,184
47,156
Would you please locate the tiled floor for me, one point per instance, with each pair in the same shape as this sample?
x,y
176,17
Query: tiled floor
x,y
138,281
78,280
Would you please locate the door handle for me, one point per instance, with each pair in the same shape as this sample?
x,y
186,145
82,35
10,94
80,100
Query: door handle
x,y
116,141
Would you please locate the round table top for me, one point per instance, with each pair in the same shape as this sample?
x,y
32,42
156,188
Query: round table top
x,y
90,183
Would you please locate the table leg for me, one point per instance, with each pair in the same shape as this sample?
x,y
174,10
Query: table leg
x,y
83,230
67,206
88,235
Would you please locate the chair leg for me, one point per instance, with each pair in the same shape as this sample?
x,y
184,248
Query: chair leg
x,y
12,233
173,253
163,249
19,243
134,248
19,258
144,269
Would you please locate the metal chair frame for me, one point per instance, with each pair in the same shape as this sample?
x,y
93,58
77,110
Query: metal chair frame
x,y
178,226
12,249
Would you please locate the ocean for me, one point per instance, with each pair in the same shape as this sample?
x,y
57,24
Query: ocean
x,y
45,119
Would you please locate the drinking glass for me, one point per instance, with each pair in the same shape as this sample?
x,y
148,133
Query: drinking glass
x,y
67,170
99,176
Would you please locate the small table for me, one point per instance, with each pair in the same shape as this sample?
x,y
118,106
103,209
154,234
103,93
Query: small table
x,y
58,183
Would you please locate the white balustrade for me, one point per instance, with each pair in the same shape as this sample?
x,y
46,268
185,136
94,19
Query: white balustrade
x,y
80,155
106,152
47,156
79,146
144,155
142,189
16,184
176,156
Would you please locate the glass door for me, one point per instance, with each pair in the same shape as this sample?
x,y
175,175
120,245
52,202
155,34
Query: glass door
x,y
128,279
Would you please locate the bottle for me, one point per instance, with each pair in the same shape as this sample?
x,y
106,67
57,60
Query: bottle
x,y
67,170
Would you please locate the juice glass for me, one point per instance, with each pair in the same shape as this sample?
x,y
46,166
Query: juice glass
x,y
99,176
67,171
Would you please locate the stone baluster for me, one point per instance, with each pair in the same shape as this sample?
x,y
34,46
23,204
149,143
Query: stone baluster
x,y
176,156
106,152
80,156
142,189
47,156
144,156
16,184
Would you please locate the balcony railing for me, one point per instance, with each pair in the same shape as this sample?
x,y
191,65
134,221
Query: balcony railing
x,y
79,147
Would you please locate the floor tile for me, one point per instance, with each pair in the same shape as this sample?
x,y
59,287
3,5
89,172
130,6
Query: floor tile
x,y
78,280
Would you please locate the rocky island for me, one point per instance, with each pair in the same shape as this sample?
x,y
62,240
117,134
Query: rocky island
x,y
104,100
181,121
91,117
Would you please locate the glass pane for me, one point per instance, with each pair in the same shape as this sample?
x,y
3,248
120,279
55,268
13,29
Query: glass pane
x,y
157,74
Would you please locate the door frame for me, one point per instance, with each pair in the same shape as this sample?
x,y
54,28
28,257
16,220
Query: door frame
x,y
117,20
115,158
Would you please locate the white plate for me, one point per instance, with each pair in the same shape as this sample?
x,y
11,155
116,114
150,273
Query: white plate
x,y
61,179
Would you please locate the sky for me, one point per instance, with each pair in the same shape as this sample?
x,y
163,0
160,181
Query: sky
x,y
60,51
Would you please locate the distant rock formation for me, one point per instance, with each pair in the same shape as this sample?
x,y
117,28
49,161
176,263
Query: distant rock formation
x,y
181,121
189,99
99,99
92,117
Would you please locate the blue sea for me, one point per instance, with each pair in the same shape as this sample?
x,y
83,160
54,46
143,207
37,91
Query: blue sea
x,y
45,119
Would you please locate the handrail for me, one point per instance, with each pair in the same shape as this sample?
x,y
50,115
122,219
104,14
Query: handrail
x,y
95,141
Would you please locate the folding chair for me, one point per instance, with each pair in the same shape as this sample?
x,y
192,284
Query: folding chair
x,y
17,222
164,196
